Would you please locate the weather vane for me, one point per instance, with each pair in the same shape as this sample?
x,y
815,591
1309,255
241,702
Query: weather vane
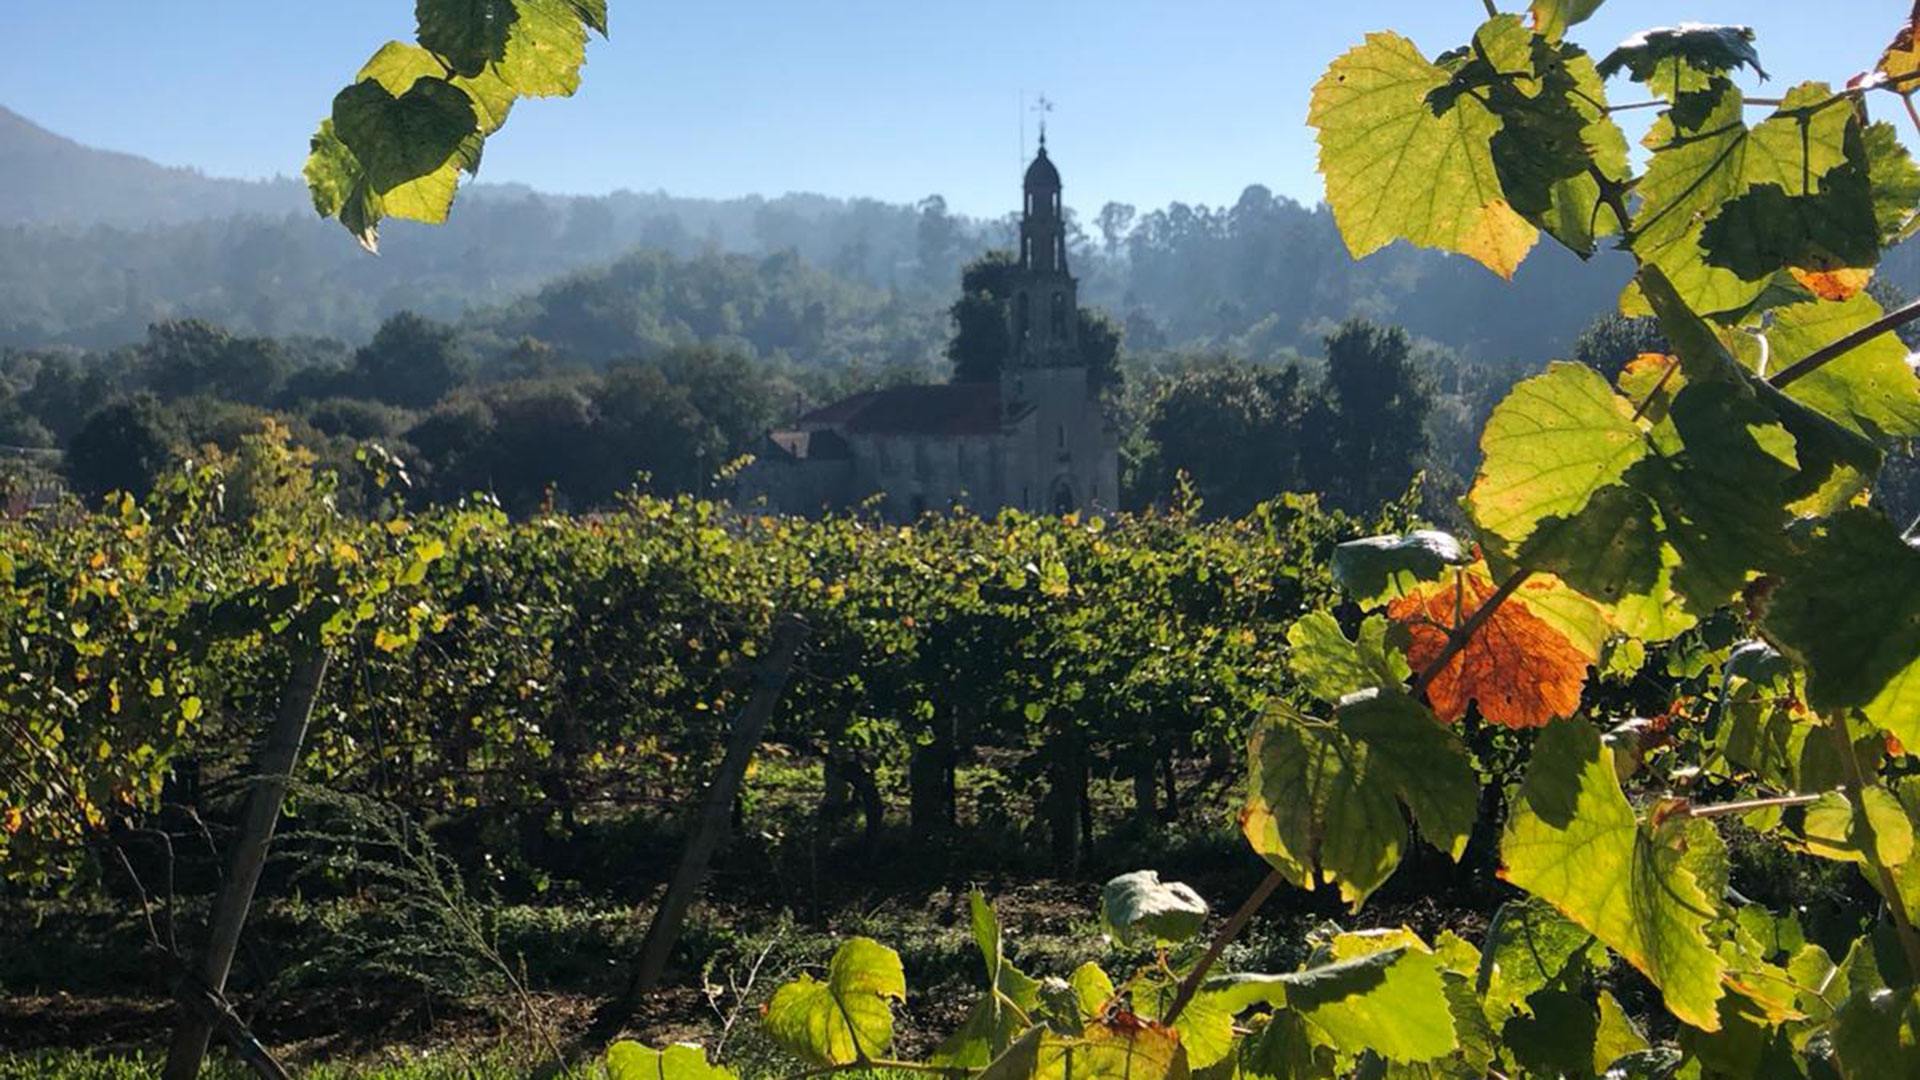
x,y
1043,107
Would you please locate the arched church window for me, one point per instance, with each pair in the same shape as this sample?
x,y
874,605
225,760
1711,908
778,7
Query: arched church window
x,y
1059,314
1056,203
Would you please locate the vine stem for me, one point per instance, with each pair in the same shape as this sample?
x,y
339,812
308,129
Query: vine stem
x,y
1869,846
1820,357
867,1064
1229,930
1458,638
1723,809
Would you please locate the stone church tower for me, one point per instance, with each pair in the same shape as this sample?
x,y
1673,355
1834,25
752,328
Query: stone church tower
x,y
1037,440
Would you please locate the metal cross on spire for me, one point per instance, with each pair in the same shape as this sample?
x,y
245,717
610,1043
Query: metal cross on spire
x,y
1043,107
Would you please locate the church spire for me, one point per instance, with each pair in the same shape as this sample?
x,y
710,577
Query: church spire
x,y
1045,312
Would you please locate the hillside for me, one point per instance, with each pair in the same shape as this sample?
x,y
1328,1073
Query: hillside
x,y
48,179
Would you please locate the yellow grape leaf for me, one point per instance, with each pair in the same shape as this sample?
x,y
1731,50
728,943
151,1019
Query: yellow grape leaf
x,y
1397,171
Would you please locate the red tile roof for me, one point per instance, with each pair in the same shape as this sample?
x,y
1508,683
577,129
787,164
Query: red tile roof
x,y
954,409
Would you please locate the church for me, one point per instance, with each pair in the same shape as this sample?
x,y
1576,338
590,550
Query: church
x,y
1037,440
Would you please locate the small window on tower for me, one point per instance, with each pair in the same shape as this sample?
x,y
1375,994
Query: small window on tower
x,y
1059,315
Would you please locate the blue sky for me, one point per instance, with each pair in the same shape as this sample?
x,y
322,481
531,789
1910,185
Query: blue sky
x,y
1157,100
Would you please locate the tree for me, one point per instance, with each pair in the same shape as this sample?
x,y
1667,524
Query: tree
x,y
1368,433
982,337
123,447
1115,221
1611,340
1232,428
184,357
1100,349
936,238
412,361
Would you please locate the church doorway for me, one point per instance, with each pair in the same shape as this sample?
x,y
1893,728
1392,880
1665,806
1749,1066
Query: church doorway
x,y
1063,499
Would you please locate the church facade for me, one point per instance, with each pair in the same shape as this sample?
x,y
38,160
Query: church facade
x,y
1037,440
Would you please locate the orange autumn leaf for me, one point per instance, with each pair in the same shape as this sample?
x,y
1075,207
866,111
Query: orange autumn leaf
x,y
1834,285
1521,670
13,819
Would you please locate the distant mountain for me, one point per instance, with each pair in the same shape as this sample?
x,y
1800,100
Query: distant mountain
x,y
47,179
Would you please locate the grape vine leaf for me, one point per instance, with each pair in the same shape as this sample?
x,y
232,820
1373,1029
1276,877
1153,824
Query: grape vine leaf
x,y
1002,1012
1321,802
1553,18
846,1018
1425,763
1901,58
1139,906
1703,163
1314,814
1555,440
1706,48
534,46
1529,947
1895,180
1848,609
1391,1001
1375,569
629,1060
1870,389
1330,667
1572,839
1398,169
1877,1033
1521,668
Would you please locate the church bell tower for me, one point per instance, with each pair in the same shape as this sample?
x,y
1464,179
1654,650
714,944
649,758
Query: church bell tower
x,y
1045,309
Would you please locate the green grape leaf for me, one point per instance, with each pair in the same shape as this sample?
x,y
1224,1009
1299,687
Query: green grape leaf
x,y
1553,18
1140,907
1092,989
1529,947
1425,763
1609,551
1397,168
1557,1035
1311,812
846,1018
1003,1011
1392,1002
1376,569
1877,1033
1895,180
1556,141
1205,1028
1555,440
1834,828
1869,390
1848,610
535,47
628,1060
1722,494
1710,49
1723,207
1330,667
1323,800
1573,840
